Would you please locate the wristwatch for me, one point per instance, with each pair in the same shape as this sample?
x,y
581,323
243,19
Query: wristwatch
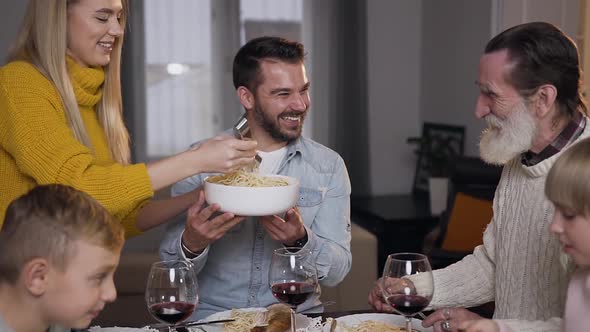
x,y
299,243
187,252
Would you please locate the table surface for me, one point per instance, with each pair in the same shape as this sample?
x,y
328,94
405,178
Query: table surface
x,y
324,315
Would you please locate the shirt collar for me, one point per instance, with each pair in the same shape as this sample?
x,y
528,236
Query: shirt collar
x,y
294,146
569,134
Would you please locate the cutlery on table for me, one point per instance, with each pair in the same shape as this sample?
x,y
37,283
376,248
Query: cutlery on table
x,y
195,323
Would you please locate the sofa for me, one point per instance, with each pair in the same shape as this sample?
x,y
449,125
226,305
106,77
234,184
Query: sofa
x,y
129,309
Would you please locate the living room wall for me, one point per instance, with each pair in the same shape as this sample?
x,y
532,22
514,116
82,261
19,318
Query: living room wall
x,y
450,60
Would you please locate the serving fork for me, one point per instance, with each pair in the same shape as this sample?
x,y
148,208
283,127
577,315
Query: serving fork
x,y
241,130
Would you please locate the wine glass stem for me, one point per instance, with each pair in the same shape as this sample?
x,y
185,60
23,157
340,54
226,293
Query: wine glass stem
x,y
293,328
408,324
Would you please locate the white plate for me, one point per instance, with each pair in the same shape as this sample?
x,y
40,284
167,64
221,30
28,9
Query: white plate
x,y
398,320
300,320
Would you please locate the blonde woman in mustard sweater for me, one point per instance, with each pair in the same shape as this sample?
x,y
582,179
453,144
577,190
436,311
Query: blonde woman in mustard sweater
x,y
61,118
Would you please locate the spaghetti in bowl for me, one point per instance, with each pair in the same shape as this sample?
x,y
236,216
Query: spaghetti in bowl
x,y
252,194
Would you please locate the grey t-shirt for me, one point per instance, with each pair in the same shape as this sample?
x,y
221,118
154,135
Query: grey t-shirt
x,y
4,327
58,329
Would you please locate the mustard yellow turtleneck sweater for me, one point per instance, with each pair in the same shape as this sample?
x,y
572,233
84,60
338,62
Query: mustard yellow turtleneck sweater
x,y
38,147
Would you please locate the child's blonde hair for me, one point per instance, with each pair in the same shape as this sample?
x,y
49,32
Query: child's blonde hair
x,y
568,182
45,223
568,185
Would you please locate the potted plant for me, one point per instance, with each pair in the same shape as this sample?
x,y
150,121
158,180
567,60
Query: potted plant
x,y
437,152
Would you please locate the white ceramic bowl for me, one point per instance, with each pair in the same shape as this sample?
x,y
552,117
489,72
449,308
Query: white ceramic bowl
x,y
253,201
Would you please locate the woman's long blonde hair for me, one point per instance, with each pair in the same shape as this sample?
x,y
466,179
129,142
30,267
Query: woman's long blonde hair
x,y
42,40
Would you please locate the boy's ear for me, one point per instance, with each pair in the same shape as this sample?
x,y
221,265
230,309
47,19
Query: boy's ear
x,y
35,274
246,97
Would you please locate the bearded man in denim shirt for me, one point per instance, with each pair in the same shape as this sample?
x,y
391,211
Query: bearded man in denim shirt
x,y
231,254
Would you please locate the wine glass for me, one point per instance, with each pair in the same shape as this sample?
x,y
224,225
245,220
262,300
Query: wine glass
x,y
292,277
407,284
172,291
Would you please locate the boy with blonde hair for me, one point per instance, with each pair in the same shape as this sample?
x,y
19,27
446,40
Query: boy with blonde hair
x,y
59,249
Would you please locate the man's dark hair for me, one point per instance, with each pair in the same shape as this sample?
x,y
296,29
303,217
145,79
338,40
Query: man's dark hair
x,y
246,68
543,54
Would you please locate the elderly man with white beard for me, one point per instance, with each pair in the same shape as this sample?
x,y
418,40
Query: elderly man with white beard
x,y
530,97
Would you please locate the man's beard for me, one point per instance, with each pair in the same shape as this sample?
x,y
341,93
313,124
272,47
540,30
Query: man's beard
x,y
505,139
272,127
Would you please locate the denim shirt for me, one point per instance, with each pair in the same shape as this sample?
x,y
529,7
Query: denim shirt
x,y
233,271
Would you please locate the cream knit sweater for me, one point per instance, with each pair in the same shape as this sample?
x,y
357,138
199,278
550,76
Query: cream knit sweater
x,y
518,264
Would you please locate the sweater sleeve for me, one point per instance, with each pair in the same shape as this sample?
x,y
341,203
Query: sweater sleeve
x,y
512,325
34,131
469,282
129,221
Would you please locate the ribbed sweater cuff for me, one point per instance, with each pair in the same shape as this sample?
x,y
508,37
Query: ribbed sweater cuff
x,y
138,181
129,222
462,284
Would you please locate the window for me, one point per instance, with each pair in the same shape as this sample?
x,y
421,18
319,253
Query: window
x,y
178,75
181,74
271,18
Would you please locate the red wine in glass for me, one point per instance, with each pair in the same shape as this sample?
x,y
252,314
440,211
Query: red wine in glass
x,y
408,305
171,293
293,293
172,312
292,277
407,284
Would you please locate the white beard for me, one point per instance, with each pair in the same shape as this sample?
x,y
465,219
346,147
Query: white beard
x,y
505,139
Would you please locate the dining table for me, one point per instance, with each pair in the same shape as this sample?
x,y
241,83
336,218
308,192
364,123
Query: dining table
x,y
323,315
334,314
